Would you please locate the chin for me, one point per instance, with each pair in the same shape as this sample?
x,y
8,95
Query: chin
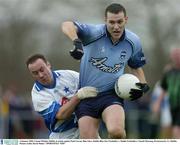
x,y
117,36
43,82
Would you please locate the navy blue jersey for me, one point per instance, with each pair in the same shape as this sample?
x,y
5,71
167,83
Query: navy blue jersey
x,y
103,61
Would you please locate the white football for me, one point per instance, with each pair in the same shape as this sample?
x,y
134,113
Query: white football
x,y
124,84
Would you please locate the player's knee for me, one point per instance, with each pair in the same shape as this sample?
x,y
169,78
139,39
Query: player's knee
x,y
89,134
117,133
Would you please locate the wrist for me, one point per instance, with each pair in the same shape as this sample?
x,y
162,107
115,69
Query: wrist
x,y
74,39
76,98
146,88
80,94
77,41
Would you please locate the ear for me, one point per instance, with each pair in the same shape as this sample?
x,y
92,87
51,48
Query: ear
x,y
126,19
105,19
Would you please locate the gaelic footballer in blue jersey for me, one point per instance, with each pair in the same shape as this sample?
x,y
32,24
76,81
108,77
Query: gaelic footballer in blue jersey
x,y
105,50
55,95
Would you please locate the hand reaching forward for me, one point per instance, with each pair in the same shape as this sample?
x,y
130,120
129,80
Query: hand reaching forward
x,y
87,92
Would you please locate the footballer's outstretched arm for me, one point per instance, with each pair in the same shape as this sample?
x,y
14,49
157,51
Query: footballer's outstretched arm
x,y
67,109
70,30
140,74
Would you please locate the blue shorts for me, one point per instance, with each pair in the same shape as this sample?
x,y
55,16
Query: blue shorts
x,y
95,106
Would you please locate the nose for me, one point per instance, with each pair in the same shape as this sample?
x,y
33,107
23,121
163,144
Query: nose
x,y
40,74
116,26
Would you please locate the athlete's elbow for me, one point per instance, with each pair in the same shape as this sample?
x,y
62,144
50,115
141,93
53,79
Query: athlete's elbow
x,y
65,25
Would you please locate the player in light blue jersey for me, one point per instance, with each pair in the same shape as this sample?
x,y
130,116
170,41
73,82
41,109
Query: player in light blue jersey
x,y
105,50
55,95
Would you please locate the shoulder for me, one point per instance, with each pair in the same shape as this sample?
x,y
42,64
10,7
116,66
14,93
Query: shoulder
x,y
100,28
132,38
40,99
93,27
67,75
90,31
131,35
66,72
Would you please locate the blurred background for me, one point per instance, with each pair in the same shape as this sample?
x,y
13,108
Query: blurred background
x,y
33,26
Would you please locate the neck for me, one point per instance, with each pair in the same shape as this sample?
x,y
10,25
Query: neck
x,y
114,40
121,37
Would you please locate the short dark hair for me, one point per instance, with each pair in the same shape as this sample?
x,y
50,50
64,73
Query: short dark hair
x,y
115,8
34,57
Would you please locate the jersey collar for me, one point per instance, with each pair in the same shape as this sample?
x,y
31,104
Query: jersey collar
x,y
40,86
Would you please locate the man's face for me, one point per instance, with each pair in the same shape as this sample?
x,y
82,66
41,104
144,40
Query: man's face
x,y
41,72
115,24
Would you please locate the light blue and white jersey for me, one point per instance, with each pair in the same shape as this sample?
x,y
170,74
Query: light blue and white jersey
x,y
47,100
103,62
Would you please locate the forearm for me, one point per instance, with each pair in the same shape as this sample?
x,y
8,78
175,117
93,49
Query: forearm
x,y
67,109
157,104
70,30
140,74
161,97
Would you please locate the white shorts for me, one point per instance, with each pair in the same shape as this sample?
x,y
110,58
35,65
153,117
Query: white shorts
x,y
69,134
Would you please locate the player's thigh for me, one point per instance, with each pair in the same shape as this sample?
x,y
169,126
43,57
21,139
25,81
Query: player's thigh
x,y
114,117
88,127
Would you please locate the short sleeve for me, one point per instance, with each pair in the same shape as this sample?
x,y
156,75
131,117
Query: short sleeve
x,y
137,59
41,100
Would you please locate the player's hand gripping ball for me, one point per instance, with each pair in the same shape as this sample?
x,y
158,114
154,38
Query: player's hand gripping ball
x,y
124,86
